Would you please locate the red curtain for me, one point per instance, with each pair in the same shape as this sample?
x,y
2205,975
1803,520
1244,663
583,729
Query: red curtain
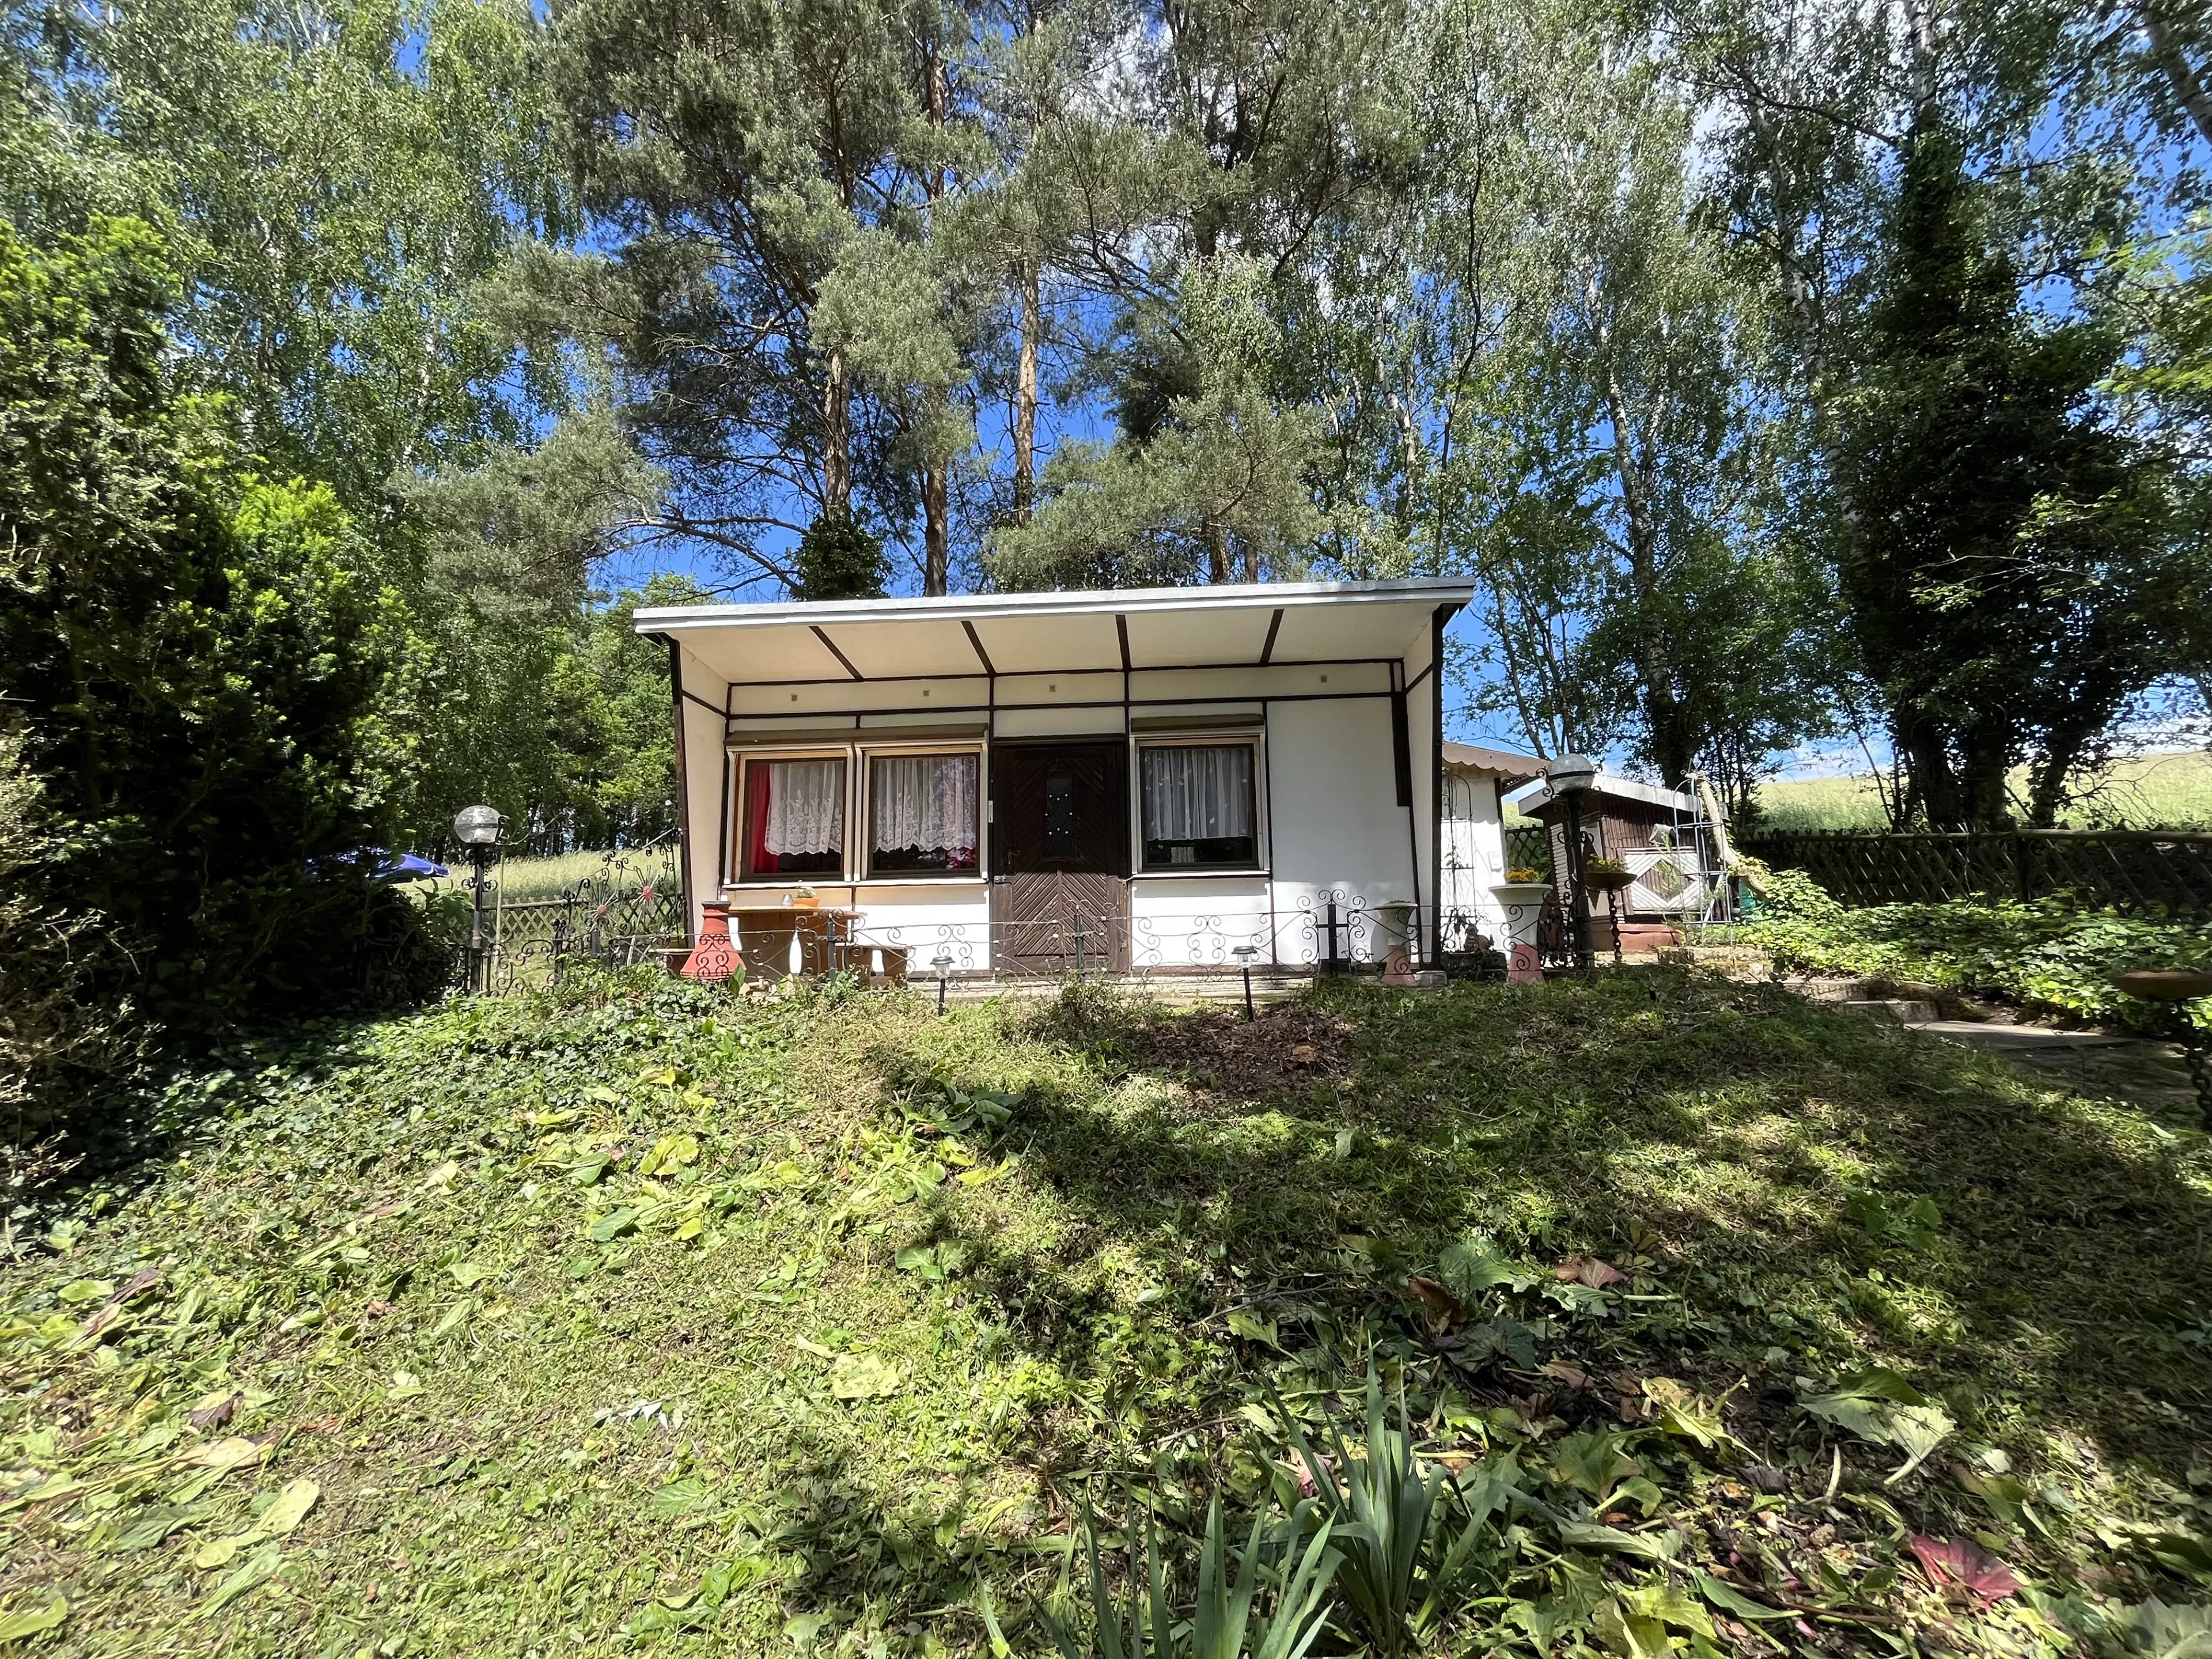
x,y
759,862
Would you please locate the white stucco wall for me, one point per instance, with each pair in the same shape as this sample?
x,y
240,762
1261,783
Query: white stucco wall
x,y
1473,853
1185,921
705,783
924,918
1336,824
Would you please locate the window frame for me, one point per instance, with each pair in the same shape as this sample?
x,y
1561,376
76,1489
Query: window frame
x,y
866,789
734,874
1251,737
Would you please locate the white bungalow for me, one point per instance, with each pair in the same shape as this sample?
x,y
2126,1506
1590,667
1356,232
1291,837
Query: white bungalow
x,y
1023,782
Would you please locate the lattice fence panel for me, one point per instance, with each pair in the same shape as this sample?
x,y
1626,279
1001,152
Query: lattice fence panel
x,y
2134,870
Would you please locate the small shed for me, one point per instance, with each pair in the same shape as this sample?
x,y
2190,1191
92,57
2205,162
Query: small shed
x,y
1474,856
1659,834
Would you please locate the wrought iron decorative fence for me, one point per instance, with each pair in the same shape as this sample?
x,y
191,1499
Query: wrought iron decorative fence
x,y
626,910
2167,870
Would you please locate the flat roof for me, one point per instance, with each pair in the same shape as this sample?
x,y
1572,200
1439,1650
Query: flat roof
x,y
1244,624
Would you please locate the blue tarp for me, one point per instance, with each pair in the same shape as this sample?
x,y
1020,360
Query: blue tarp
x,y
383,865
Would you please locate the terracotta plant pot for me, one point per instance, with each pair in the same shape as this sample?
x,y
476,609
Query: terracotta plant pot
x,y
714,958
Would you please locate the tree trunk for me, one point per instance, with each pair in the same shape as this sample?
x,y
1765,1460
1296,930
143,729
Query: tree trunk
x,y
2166,52
1217,548
936,523
837,438
936,537
1673,746
1026,394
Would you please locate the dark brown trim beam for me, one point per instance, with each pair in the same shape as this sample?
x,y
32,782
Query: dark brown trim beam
x,y
1274,626
830,646
977,640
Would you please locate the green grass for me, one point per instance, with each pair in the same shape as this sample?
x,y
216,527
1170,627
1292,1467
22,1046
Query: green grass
x,y
2172,791
657,1316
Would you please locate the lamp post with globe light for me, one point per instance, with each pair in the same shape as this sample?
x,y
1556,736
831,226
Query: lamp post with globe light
x,y
477,828
1569,776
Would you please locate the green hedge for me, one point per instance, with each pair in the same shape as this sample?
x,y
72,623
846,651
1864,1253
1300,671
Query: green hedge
x,y
2049,956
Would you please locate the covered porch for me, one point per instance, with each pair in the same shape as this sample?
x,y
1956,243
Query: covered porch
x,y
1172,782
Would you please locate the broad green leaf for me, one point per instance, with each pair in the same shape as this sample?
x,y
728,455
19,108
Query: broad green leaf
x,y
1684,1412
614,1226
469,1275
1628,1635
682,1497
85,1289
1669,1604
249,1574
1254,1327
801,1630
31,1621
228,1453
1595,1462
1474,1266
1589,1535
863,1376
217,1552
1735,1603
290,1507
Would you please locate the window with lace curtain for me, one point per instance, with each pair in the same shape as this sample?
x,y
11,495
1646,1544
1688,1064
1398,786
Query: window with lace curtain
x,y
794,817
923,815
1198,806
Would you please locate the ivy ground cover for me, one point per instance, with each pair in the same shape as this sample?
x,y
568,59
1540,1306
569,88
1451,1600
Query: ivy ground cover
x,y
654,1317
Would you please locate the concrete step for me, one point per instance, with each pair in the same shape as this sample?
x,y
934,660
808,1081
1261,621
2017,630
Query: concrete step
x,y
1991,1034
1166,987
1906,1011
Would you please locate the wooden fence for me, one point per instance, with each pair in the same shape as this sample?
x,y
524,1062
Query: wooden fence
x,y
2152,871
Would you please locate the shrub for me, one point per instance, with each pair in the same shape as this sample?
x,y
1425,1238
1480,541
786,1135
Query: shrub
x,y
2049,955
838,559
55,1036
195,656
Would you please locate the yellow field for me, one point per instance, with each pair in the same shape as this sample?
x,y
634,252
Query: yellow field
x,y
2162,791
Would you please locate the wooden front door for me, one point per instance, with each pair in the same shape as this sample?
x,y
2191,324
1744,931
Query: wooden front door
x,y
1059,884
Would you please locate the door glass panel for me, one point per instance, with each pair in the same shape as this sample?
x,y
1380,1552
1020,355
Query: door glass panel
x,y
1060,824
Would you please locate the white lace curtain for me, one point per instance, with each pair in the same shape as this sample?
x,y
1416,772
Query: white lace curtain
x,y
925,801
1194,794
805,807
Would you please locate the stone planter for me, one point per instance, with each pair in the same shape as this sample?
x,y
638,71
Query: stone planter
x,y
1523,901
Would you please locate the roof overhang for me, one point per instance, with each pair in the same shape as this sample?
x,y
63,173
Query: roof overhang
x,y
1500,764
1535,800
1253,624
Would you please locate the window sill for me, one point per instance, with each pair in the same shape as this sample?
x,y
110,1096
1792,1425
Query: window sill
x,y
845,882
1202,871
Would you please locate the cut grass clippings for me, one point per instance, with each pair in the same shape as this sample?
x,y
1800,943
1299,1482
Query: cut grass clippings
x,y
653,1315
